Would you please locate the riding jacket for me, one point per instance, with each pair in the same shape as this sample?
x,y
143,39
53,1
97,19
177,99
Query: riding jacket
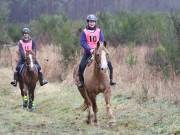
x,y
26,45
23,46
90,37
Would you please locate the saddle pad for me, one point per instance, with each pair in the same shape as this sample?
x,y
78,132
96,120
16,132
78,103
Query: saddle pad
x,y
90,60
22,67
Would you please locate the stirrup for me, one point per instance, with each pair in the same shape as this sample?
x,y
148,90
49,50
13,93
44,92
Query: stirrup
x,y
43,82
14,83
80,85
112,83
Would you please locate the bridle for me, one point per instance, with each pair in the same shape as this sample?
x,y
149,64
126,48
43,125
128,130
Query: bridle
x,y
29,60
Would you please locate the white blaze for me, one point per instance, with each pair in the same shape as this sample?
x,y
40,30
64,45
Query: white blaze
x,y
31,61
103,60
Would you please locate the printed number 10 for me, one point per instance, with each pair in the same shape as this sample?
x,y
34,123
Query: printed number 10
x,y
93,39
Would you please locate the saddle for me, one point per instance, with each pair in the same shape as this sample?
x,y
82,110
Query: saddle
x,y
90,60
21,67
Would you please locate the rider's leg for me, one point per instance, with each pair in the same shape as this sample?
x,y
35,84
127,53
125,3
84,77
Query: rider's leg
x,y
82,67
42,81
14,81
111,73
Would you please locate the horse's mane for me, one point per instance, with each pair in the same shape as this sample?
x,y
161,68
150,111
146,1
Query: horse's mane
x,y
30,52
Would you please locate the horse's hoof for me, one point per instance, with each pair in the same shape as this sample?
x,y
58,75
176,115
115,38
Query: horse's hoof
x,y
84,107
25,104
32,109
112,123
89,122
96,124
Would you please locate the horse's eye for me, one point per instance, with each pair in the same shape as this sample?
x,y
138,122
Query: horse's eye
x,y
97,55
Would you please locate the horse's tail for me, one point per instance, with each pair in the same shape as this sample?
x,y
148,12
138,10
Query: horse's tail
x,y
86,98
82,91
83,107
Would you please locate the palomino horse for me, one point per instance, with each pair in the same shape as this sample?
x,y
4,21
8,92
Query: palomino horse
x,y
28,80
96,80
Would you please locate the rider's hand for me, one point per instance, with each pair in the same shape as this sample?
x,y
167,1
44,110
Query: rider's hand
x,y
92,51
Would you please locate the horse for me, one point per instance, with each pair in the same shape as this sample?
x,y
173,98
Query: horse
x,y
96,80
27,80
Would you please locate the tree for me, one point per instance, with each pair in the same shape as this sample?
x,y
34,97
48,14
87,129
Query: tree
x,y
3,19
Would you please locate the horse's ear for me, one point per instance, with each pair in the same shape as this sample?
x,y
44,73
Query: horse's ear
x,y
98,44
27,52
105,44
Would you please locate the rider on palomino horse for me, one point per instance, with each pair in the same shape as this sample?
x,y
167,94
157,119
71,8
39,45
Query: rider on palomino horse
x,y
89,38
26,43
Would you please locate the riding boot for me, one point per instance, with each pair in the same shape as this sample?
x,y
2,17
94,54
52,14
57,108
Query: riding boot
x,y
81,80
42,81
111,78
112,82
111,73
14,82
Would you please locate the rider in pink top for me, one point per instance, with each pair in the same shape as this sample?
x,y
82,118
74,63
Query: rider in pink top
x,y
26,43
92,37
89,38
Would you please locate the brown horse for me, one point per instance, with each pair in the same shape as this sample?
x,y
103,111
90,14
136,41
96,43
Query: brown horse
x,y
96,80
28,80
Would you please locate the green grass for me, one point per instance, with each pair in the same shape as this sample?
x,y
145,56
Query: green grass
x,y
56,113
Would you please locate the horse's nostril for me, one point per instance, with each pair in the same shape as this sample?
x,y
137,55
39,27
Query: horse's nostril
x,y
102,68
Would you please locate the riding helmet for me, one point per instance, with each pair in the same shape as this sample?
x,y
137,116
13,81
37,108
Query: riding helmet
x,y
91,17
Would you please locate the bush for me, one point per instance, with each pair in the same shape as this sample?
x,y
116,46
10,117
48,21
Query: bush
x,y
135,27
60,31
14,32
131,59
123,27
146,28
3,25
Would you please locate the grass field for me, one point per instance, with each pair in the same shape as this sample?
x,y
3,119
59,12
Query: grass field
x,y
56,112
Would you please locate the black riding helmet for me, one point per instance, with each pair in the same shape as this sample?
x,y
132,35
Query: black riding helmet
x,y
26,30
91,17
26,34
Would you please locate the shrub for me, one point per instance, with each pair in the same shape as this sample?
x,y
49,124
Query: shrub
x,y
135,27
131,59
14,32
60,31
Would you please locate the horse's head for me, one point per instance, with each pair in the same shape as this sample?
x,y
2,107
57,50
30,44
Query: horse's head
x,y
101,55
30,59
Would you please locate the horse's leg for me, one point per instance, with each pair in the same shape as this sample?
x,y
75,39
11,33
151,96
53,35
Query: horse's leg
x,y
23,94
95,110
21,86
90,115
90,110
31,105
107,95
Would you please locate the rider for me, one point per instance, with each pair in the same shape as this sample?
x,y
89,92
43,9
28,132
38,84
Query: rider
x,y
24,43
89,38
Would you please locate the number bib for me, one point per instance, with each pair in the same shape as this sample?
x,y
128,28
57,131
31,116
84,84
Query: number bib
x,y
26,46
92,37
